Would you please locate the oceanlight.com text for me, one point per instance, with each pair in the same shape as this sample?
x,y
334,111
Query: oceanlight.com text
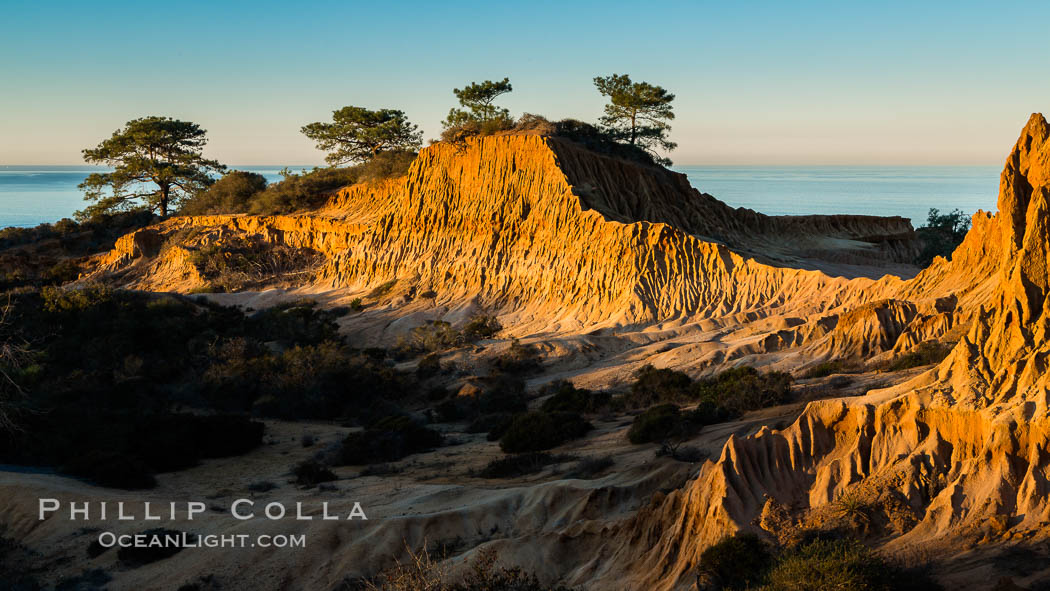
x,y
187,540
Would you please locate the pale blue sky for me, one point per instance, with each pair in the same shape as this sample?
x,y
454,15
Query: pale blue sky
x,y
757,82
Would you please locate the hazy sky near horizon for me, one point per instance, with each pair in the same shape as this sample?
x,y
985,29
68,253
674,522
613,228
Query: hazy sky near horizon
x,y
756,82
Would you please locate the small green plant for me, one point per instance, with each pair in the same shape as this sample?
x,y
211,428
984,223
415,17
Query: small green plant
x,y
382,289
429,365
736,562
657,424
840,564
356,305
539,431
388,440
826,368
851,507
926,353
941,235
521,464
518,359
653,386
566,397
481,327
310,473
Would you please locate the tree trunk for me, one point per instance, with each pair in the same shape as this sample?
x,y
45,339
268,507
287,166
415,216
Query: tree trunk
x,y
165,190
634,127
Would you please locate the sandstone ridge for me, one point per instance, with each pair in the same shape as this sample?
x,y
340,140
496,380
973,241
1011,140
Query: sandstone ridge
x,y
956,455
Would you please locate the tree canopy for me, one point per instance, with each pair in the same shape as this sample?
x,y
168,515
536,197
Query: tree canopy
x,y
232,193
478,99
941,235
157,163
357,134
637,113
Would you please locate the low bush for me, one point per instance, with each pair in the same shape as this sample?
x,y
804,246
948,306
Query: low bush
x,y
520,464
232,193
841,564
653,386
246,192
826,368
310,473
658,423
112,468
538,431
565,397
429,365
926,353
421,573
518,359
741,389
495,425
237,263
438,335
107,366
481,327
131,449
733,391
388,440
736,562
941,235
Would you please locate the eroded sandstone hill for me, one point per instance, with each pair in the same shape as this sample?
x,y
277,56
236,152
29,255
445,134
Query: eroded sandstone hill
x,y
954,458
550,234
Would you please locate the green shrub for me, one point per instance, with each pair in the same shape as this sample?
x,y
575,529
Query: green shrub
x,y
106,367
520,464
429,365
518,359
741,389
826,368
566,397
237,263
839,564
169,442
481,327
438,335
232,193
310,473
941,235
538,431
310,190
495,424
300,322
657,424
653,386
420,573
503,396
115,469
926,353
388,440
737,562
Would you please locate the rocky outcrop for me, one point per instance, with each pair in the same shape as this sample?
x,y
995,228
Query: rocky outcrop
x,y
554,238
956,455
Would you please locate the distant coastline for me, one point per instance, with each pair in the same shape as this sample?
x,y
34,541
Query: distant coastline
x,y
35,194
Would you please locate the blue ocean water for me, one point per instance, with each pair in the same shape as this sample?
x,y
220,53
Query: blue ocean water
x,y
908,191
30,195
